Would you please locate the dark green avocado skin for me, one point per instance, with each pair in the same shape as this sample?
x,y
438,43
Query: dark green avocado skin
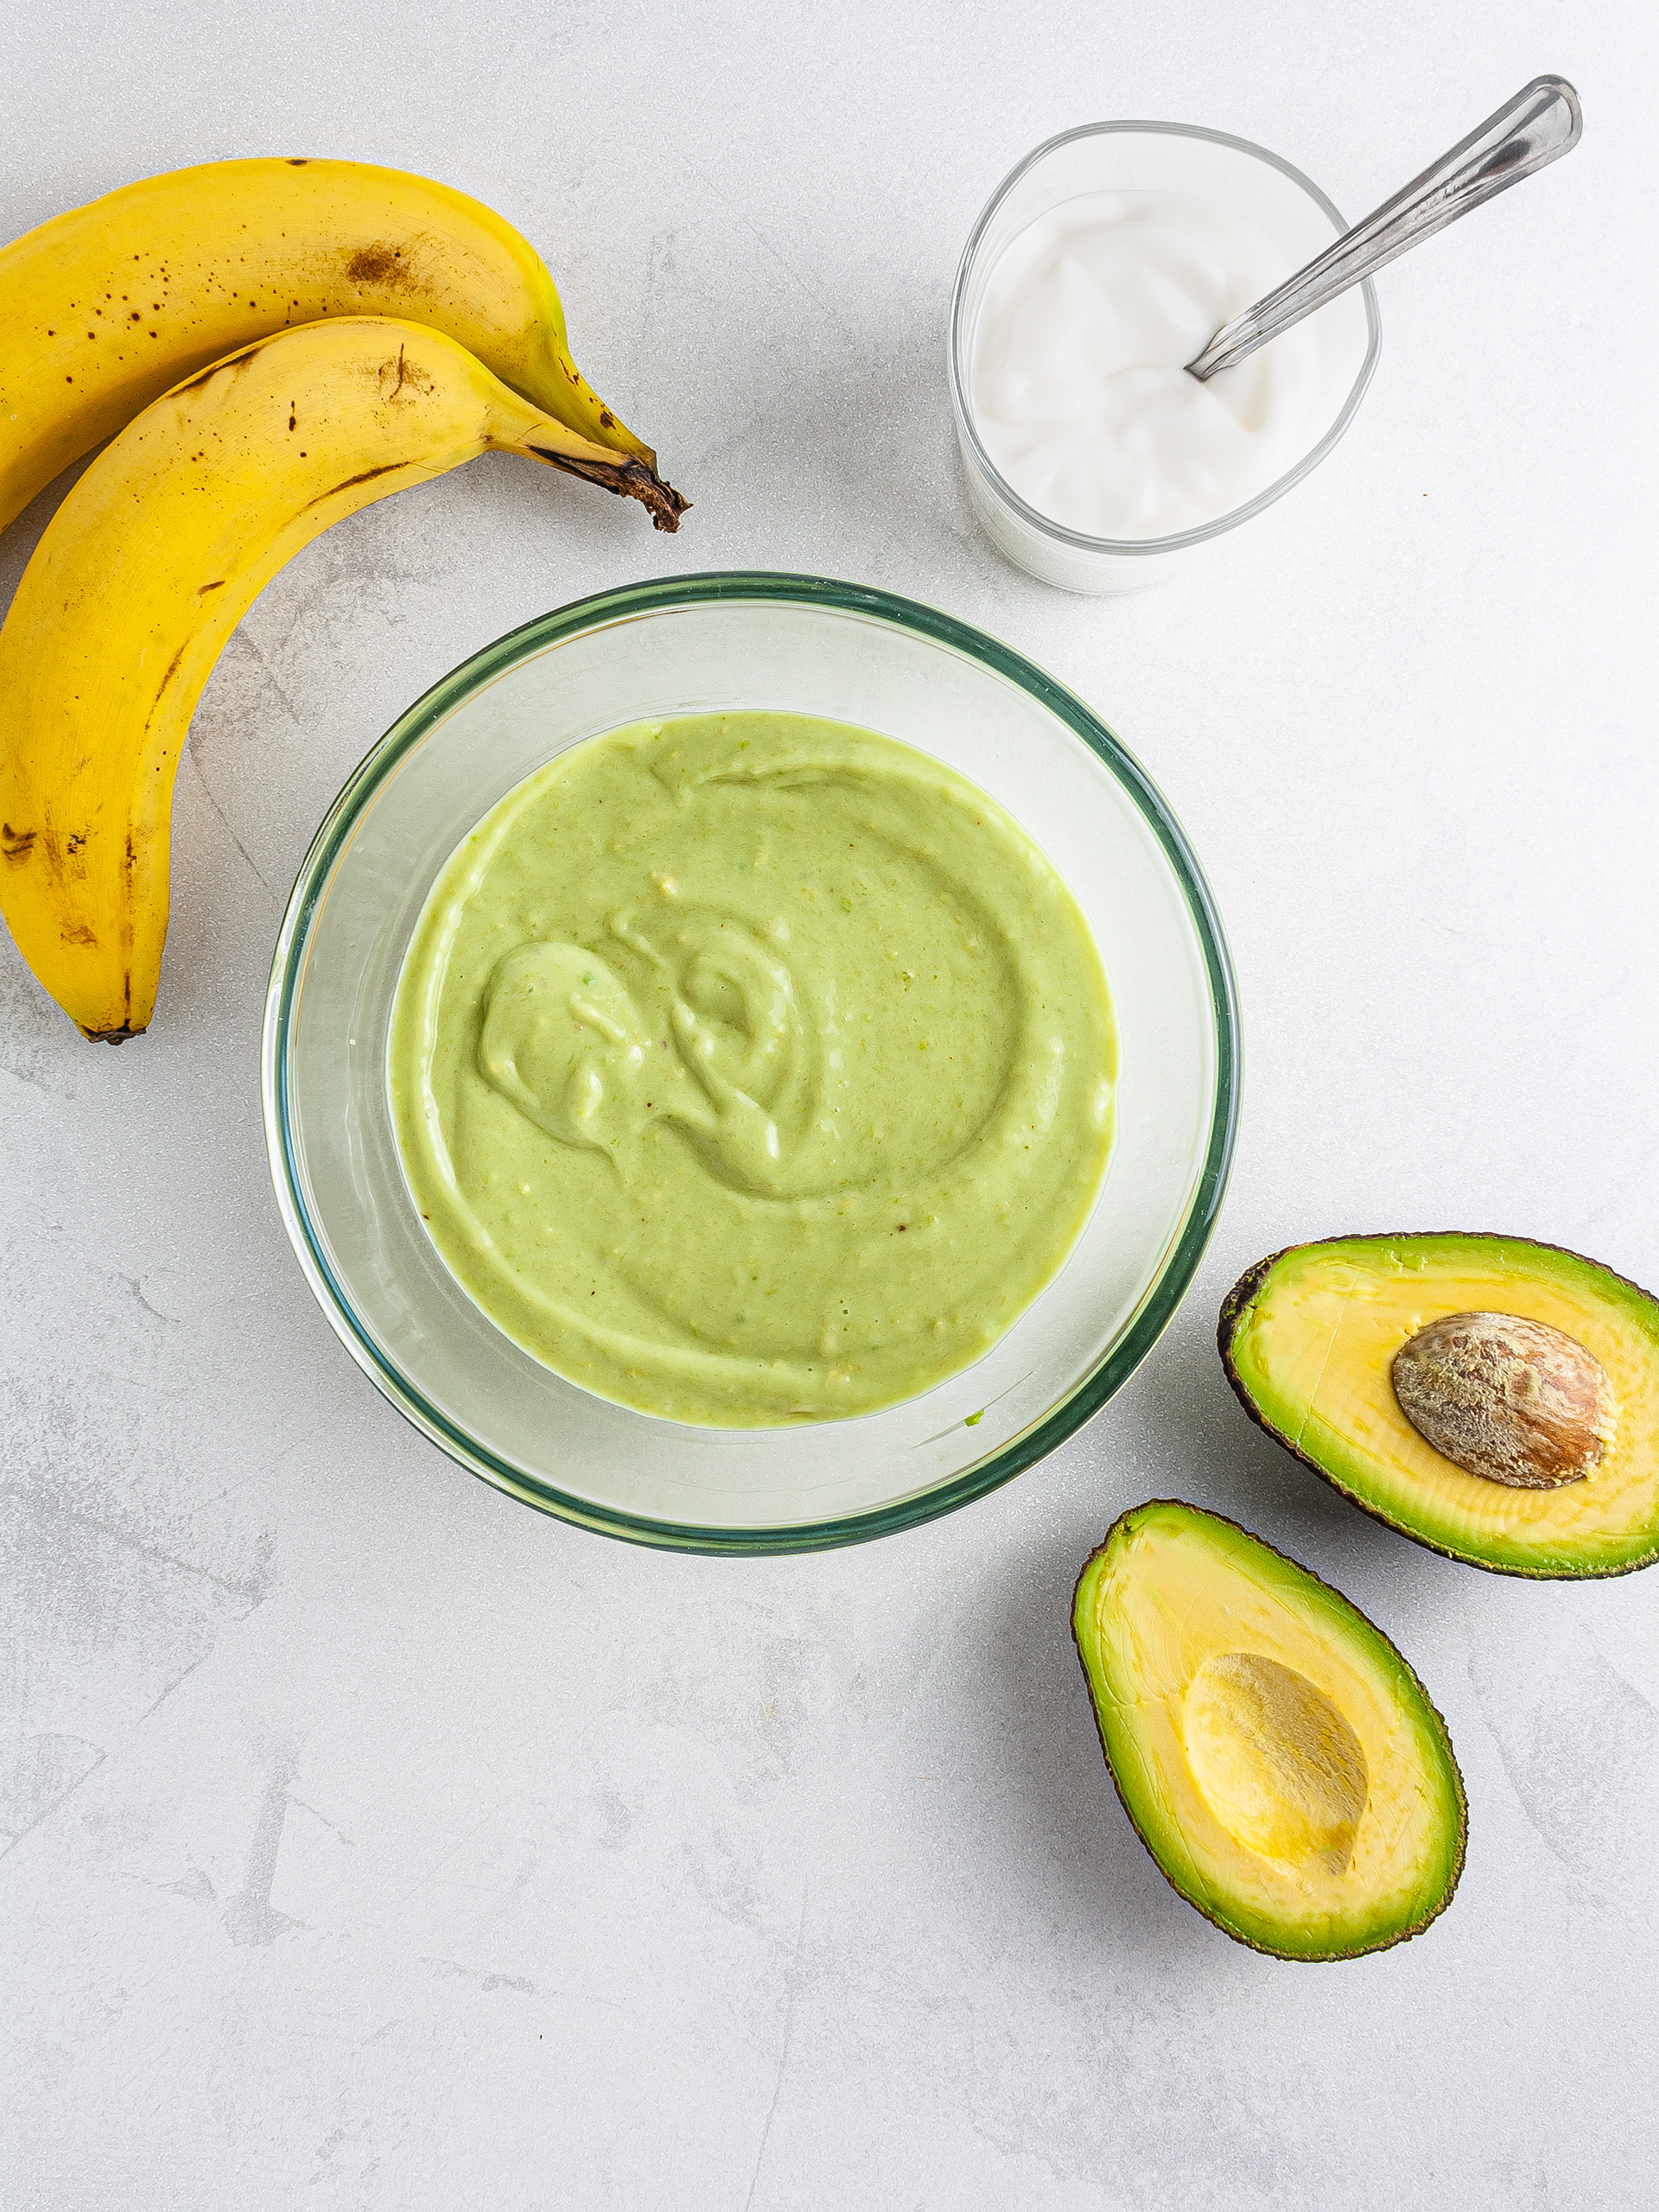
x,y
1235,1303
1266,1950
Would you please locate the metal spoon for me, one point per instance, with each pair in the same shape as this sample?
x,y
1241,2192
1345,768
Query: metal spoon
x,y
1541,123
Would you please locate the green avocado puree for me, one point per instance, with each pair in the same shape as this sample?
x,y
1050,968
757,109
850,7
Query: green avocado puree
x,y
749,1068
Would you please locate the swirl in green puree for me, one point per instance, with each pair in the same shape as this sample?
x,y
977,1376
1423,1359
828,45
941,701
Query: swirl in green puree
x,y
752,1068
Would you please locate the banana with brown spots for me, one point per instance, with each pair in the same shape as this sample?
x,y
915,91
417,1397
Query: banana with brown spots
x,y
146,569
110,305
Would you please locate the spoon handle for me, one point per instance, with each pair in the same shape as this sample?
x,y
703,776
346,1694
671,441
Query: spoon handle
x,y
1542,122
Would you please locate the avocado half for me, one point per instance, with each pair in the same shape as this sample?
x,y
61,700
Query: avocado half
x,y
1278,1757
1309,1338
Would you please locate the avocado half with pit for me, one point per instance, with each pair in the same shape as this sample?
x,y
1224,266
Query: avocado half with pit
x,y
1494,1399
1279,1758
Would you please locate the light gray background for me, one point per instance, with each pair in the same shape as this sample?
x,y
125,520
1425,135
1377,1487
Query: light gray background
x,y
377,1843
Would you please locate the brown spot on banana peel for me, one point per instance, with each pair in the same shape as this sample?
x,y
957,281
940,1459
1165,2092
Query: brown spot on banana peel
x,y
237,361
378,265
393,375
172,671
363,476
17,844
631,478
123,1029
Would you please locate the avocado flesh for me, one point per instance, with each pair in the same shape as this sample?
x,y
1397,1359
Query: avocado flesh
x,y
1277,1756
1309,1337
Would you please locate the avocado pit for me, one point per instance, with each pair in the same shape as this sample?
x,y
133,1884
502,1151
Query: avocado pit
x,y
1513,1401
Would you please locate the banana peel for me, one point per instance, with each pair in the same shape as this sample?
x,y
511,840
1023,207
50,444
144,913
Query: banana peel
x,y
112,304
147,568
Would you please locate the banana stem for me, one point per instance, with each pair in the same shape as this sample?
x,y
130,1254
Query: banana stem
x,y
633,479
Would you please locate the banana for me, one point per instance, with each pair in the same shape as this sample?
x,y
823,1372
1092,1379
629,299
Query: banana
x,y
109,306
145,570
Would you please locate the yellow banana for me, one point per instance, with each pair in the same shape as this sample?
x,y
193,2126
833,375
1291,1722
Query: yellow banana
x,y
110,305
145,570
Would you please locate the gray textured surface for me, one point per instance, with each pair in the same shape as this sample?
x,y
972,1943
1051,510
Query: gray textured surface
x,y
376,1844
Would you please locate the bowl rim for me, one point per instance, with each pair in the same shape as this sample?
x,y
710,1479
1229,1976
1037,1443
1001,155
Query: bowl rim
x,y
1135,547
669,594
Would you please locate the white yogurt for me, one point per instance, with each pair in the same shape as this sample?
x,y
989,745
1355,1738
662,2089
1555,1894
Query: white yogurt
x,y
1079,387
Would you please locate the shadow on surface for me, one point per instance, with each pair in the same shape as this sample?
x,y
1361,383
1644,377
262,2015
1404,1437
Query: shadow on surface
x,y
1052,1821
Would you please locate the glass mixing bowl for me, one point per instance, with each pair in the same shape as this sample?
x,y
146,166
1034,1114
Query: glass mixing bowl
x,y
801,644
1175,157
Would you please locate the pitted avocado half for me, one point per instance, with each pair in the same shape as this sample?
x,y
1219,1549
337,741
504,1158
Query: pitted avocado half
x,y
1494,1399
1279,1758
